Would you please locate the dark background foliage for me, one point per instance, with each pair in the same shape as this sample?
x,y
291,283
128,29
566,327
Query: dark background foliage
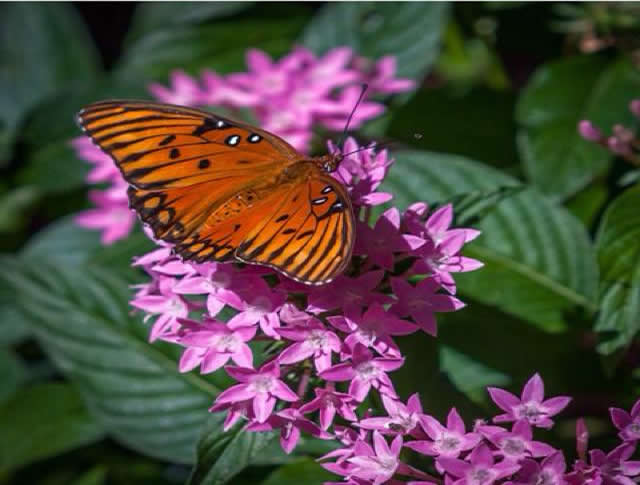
x,y
85,400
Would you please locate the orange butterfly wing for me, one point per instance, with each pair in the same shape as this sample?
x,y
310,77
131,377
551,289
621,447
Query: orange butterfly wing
x,y
208,184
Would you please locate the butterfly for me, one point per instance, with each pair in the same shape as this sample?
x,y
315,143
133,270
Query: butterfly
x,y
220,190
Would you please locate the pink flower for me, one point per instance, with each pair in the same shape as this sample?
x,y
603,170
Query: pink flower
x,y
379,463
184,90
259,305
379,243
480,468
549,471
365,371
516,444
112,216
382,79
420,302
167,304
211,344
613,468
328,402
263,386
373,328
627,423
350,294
312,340
220,282
290,422
401,418
530,406
447,441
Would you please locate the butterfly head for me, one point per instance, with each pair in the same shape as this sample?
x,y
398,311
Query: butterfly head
x,y
329,163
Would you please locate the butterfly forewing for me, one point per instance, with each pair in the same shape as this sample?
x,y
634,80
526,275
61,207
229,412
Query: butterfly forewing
x,y
217,188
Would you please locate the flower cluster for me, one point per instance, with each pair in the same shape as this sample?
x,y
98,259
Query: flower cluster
x,y
331,345
622,142
289,97
485,453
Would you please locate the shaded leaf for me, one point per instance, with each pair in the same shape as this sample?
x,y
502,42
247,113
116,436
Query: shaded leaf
x,y
12,374
555,157
152,16
44,46
219,47
468,375
411,31
539,261
305,471
81,317
222,455
32,431
618,246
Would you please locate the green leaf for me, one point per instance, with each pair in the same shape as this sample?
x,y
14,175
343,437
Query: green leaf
x,y
12,374
32,430
469,375
95,476
446,121
50,163
410,31
14,326
44,46
220,47
152,16
560,94
63,241
222,455
305,471
618,246
81,317
539,261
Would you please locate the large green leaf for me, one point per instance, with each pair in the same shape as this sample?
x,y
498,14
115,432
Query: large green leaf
x,y
558,96
81,316
45,46
618,246
12,374
220,47
222,455
539,261
49,161
42,421
151,16
410,31
305,471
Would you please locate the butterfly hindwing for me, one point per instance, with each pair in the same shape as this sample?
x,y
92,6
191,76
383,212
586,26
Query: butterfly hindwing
x,y
310,236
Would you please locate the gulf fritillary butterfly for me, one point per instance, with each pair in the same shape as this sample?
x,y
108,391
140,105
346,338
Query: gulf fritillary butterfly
x,y
220,190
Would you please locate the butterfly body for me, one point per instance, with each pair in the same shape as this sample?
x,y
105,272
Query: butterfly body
x,y
220,190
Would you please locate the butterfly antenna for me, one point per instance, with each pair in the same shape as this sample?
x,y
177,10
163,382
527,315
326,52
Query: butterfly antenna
x,y
365,86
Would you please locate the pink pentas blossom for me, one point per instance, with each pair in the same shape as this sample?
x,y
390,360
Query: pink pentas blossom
x,y
480,469
401,418
550,471
329,402
373,328
627,423
516,444
183,90
449,440
420,302
365,371
211,344
613,468
111,215
168,305
379,243
262,386
259,305
531,405
349,294
311,340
